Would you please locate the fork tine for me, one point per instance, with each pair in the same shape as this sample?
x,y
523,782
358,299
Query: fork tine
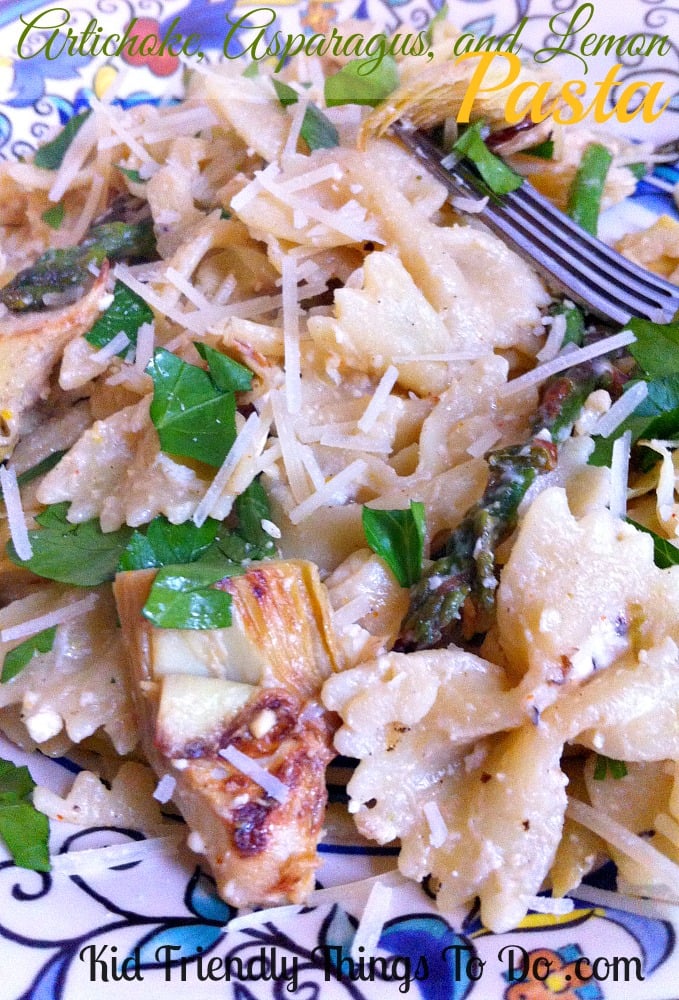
x,y
584,267
554,244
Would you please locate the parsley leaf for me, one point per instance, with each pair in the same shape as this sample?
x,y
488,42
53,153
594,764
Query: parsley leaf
x,y
317,130
79,554
500,178
21,655
609,765
193,417
184,597
397,536
24,829
126,314
356,83
51,155
584,196
54,215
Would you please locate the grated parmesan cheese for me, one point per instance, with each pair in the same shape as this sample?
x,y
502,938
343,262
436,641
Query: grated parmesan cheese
x,y
108,351
557,331
376,406
567,359
369,930
333,493
620,410
249,443
272,785
633,846
619,474
165,788
15,512
293,364
58,617
438,831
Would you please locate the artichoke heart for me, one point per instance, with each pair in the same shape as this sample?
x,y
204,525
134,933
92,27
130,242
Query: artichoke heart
x,y
204,699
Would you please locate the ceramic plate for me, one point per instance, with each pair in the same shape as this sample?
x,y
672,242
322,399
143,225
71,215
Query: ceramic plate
x,y
154,927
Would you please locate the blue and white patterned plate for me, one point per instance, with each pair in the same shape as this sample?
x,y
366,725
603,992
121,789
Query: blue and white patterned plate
x,y
154,928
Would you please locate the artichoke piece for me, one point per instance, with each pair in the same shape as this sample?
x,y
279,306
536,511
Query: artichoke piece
x,y
30,347
253,687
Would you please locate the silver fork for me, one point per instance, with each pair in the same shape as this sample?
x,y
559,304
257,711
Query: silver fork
x,y
585,269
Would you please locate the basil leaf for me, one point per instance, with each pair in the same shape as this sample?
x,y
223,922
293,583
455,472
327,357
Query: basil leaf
x,y
317,130
193,417
664,553
24,829
227,374
126,314
166,544
79,554
54,215
500,178
51,155
184,597
609,765
656,348
21,655
397,536
587,188
357,83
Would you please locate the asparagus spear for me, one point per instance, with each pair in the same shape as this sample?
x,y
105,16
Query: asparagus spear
x,y
66,270
455,599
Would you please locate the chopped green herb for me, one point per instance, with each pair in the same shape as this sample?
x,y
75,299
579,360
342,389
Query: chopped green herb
x,y
252,70
584,196
639,170
126,314
316,131
51,155
185,597
227,374
132,175
252,507
54,215
575,322
500,178
545,150
665,554
357,83
21,655
193,417
656,348
608,765
397,536
24,829
78,554
214,543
